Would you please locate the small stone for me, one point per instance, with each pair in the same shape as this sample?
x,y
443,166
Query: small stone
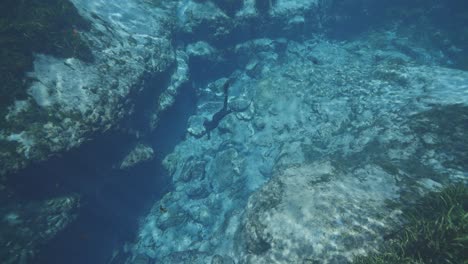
x,y
139,154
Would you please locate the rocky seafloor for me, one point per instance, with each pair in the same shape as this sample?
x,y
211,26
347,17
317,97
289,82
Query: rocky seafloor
x,y
322,135
322,132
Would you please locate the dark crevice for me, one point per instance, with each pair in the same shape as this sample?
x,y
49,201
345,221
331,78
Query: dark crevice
x,y
112,201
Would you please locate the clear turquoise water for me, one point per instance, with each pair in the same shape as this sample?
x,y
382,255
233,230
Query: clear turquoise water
x,y
333,112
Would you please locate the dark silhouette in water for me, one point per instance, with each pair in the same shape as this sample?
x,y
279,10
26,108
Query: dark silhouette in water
x,y
218,116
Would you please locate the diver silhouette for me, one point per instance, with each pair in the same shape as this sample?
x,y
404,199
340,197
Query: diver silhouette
x,y
218,116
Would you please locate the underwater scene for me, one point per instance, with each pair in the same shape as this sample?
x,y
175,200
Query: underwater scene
x,y
233,132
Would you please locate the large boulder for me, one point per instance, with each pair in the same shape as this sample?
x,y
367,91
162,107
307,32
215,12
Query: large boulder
x,y
70,99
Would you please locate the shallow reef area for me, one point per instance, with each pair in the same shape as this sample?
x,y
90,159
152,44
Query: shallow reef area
x,y
222,131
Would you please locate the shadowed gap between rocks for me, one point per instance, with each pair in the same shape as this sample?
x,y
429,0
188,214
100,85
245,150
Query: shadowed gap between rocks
x,y
112,200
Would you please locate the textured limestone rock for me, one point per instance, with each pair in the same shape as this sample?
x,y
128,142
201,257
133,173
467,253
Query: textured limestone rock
x,y
223,169
140,153
188,257
196,127
201,50
312,212
27,226
296,103
218,259
239,104
205,20
365,116
70,99
178,80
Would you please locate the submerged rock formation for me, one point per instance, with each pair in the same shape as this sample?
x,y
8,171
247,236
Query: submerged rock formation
x,y
311,114
27,226
324,158
317,214
140,153
70,99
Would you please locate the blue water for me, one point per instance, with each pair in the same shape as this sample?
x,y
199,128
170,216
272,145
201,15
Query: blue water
x,y
332,113
112,201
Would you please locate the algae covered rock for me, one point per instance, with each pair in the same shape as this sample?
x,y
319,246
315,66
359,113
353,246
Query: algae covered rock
x,y
48,27
69,97
27,226
140,153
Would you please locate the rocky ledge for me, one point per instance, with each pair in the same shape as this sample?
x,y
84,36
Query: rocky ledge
x,y
70,99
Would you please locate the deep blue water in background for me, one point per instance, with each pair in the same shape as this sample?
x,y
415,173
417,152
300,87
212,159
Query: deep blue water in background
x,y
112,200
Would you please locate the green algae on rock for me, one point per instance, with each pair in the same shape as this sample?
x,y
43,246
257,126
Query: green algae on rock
x,y
69,96
26,226
435,230
27,27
